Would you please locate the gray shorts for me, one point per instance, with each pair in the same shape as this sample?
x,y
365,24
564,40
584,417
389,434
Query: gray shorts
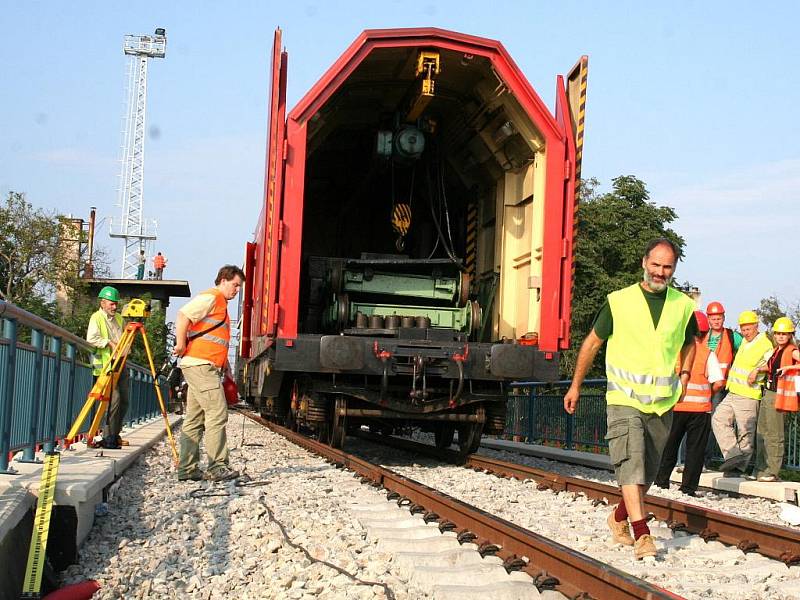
x,y
636,441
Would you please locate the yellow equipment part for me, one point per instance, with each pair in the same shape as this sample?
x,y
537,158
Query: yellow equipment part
x,y
401,218
136,309
102,389
428,65
41,527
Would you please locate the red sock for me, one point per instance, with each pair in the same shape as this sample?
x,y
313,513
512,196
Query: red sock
x,y
621,514
640,528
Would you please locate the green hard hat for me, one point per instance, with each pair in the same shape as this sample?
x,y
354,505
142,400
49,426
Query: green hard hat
x,y
109,293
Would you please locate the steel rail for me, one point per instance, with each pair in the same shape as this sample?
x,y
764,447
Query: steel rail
x,y
772,541
572,573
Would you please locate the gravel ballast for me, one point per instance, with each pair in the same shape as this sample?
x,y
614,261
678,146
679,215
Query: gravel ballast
x,y
166,539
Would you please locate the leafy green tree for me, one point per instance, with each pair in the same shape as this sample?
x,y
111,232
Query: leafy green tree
x,y
613,230
33,259
771,308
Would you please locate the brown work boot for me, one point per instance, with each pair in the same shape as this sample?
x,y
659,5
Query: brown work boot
x,y
644,546
620,531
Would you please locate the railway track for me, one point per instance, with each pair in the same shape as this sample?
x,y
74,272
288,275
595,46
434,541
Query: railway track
x,y
772,541
550,564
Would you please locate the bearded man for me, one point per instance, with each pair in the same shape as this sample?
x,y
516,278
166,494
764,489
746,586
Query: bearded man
x,y
650,328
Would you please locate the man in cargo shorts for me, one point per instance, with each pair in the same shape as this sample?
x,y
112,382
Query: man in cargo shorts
x,y
202,336
650,328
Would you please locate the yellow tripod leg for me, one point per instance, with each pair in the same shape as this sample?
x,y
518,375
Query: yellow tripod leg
x,y
100,392
160,398
87,408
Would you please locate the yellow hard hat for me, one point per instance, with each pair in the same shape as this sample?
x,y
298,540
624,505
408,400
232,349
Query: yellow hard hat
x,y
783,325
747,317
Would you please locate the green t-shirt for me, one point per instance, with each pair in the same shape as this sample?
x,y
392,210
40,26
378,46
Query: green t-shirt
x,y
713,341
604,322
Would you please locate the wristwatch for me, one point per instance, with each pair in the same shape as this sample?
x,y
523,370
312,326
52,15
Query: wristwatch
x,y
684,372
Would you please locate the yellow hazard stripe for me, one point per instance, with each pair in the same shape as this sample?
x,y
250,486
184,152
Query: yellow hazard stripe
x,y
472,236
41,526
401,218
584,72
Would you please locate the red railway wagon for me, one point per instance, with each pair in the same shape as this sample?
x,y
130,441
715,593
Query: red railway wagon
x,y
414,248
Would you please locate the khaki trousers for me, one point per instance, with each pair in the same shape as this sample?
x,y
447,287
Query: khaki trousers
x,y
744,412
636,441
206,410
769,438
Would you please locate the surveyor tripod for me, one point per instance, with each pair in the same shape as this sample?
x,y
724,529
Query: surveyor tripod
x,y
106,382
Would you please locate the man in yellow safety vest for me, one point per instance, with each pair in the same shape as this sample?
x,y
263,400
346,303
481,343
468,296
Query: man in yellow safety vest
x,y
745,388
103,333
650,327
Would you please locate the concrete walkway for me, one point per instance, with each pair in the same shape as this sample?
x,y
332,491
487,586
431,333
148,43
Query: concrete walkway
x,y
83,476
782,491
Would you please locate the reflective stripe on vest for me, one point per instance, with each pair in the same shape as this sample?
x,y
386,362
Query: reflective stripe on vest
x,y
698,389
213,345
748,356
101,357
640,360
786,394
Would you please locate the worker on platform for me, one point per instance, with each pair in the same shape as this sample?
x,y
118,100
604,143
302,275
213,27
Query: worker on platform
x,y
744,393
140,265
202,335
724,342
692,415
650,327
780,397
103,333
159,262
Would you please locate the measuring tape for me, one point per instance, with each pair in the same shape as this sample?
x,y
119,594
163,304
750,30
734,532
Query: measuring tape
x,y
41,527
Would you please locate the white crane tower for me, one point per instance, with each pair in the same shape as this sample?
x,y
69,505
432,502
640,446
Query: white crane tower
x,y
132,228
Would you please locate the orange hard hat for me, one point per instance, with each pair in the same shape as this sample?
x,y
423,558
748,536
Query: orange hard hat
x,y
715,308
702,321
231,393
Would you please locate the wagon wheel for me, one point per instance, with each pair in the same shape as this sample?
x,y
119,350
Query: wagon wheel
x,y
443,434
339,424
469,434
324,432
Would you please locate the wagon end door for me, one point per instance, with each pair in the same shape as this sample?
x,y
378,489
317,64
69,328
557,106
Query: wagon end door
x,y
570,114
273,190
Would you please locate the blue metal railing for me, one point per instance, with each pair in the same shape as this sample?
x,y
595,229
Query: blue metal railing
x,y
44,385
536,415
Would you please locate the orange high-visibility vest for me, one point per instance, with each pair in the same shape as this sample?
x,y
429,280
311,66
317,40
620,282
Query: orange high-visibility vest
x,y
786,392
159,262
698,390
212,345
724,351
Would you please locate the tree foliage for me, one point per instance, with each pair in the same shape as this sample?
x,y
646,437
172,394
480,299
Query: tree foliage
x,y
36,260
613,230
33,259
770,309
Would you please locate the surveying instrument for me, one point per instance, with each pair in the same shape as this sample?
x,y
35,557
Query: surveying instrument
x,y
137,311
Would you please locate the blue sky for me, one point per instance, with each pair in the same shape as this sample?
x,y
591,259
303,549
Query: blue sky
x,y
695,98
